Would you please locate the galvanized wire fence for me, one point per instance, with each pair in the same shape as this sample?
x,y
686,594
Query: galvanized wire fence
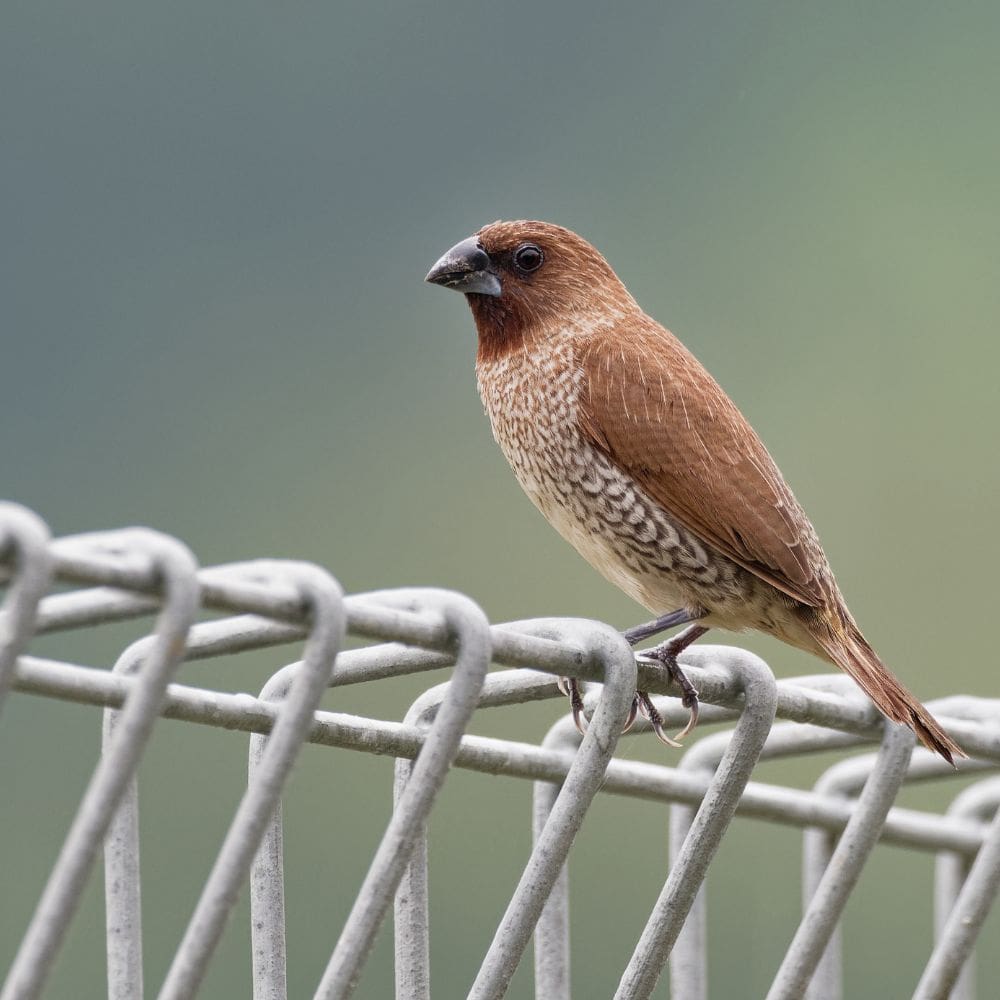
x,y
138,573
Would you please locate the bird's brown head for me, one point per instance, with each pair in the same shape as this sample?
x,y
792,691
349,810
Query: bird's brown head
x,y
525,280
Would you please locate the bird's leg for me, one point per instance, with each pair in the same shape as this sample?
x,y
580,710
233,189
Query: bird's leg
x,y
667,654
640,632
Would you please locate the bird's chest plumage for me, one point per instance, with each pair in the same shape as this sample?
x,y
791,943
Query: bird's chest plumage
x,y
533,402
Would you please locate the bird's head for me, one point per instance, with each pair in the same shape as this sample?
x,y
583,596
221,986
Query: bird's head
x,y
526,280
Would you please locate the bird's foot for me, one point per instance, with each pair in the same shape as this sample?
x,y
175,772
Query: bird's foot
x,y
666,654
570,687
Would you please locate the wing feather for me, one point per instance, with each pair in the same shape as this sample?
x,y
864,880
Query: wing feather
x,y
699,458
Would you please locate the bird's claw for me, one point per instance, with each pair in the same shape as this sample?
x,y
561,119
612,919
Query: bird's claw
x,y
692,717
648,710
632,713
570,687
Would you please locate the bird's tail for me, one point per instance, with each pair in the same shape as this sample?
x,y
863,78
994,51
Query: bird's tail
x,y
843,642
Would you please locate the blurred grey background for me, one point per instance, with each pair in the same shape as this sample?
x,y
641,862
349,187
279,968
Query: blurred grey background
x,y
216,220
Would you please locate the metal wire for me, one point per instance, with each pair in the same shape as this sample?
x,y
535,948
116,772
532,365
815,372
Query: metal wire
x,y
24,540
132,574
581,784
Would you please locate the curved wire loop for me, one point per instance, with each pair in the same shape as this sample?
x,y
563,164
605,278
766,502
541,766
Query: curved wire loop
x,y
165,564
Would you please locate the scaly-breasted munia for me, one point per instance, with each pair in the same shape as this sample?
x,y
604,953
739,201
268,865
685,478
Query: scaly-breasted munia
x,y
641,461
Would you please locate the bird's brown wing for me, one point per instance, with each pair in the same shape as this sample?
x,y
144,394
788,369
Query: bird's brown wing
x,y
658,414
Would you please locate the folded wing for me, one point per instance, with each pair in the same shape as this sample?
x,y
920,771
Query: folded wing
x,y
676,432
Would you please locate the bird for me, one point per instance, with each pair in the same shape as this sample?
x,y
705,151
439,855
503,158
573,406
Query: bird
x,y
641,461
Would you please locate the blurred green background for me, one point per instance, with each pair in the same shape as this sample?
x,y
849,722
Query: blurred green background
x,y
216,221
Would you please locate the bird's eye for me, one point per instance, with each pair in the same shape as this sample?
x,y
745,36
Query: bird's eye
x,y
528,257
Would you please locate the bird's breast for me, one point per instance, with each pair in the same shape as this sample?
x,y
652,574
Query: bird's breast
x,y
532,402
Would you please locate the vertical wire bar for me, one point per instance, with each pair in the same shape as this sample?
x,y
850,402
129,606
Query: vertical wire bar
x,y
844,870
689,959
579,788
552,950
951,870
267,901
703,839
845,780
323,598
971,908
122,873
688,967
411,907
471,631
827,982
174,567
411,910
123,895
267,878
122,887
267,871
24,540
841,780
552,940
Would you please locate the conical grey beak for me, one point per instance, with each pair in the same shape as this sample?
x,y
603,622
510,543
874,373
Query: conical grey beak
x,y
467,268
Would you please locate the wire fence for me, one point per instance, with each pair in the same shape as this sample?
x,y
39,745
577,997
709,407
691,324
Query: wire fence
x,y
93,579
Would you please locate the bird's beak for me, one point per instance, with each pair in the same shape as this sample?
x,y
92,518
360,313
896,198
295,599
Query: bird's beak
x,y
467,268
